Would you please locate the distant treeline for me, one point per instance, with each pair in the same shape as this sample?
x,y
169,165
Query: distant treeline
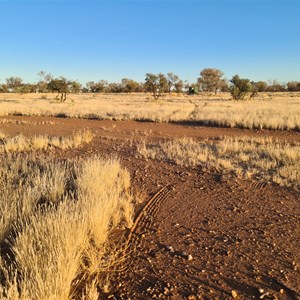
x,y
210,80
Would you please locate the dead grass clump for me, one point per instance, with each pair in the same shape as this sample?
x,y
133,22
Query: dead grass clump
x,y
114,204
54,220
2,136
275,114
48,251
262,158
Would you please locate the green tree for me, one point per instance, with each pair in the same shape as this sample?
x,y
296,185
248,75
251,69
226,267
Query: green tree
x,y
178,85
14,84
211,80
130,86
62,86
293,86
28,88
115,87
240,87
4,88
97,87
74,87
157,84
174,82
260,86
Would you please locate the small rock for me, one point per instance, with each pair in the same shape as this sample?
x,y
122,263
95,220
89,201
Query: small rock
x,y
281,291
166,291
264,295
191,297
234,294
171,249
190,257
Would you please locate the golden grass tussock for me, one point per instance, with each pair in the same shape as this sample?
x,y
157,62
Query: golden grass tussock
x,y
54,222
48,251
262,158
278,111
21,143
111,204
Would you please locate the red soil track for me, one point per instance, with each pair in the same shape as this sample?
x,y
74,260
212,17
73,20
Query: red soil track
x,y
213,236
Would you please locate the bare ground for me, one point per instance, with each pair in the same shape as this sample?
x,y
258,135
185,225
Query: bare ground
x,y
206,235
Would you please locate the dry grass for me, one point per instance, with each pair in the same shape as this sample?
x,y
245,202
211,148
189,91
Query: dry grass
x,y
54,219
262,158
277,113
271,111
111,204
23,122
40,142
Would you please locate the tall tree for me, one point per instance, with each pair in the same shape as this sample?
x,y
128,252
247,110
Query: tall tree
x,y
211,80
156,84
173,80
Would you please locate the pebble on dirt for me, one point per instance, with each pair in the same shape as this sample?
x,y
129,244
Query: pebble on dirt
x,y
234,294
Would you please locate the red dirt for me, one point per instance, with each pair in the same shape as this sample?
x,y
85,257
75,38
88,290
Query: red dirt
x,y
213,236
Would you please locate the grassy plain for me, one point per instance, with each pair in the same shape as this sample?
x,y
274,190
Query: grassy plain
x,y
265,159
277,111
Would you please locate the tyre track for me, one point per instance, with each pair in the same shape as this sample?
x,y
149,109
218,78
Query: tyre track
x,y
141,225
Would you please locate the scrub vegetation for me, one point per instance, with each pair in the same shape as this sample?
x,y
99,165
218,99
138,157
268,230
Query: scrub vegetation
x,y
263,159
21,143
276,111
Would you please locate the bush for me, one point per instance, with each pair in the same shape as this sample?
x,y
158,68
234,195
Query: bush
x,y
240,87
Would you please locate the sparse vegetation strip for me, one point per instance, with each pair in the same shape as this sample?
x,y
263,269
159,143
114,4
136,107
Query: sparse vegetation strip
x,y
261,158
278,111
21,143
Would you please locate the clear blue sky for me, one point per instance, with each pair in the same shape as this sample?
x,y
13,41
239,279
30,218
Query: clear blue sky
x,y
92,40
